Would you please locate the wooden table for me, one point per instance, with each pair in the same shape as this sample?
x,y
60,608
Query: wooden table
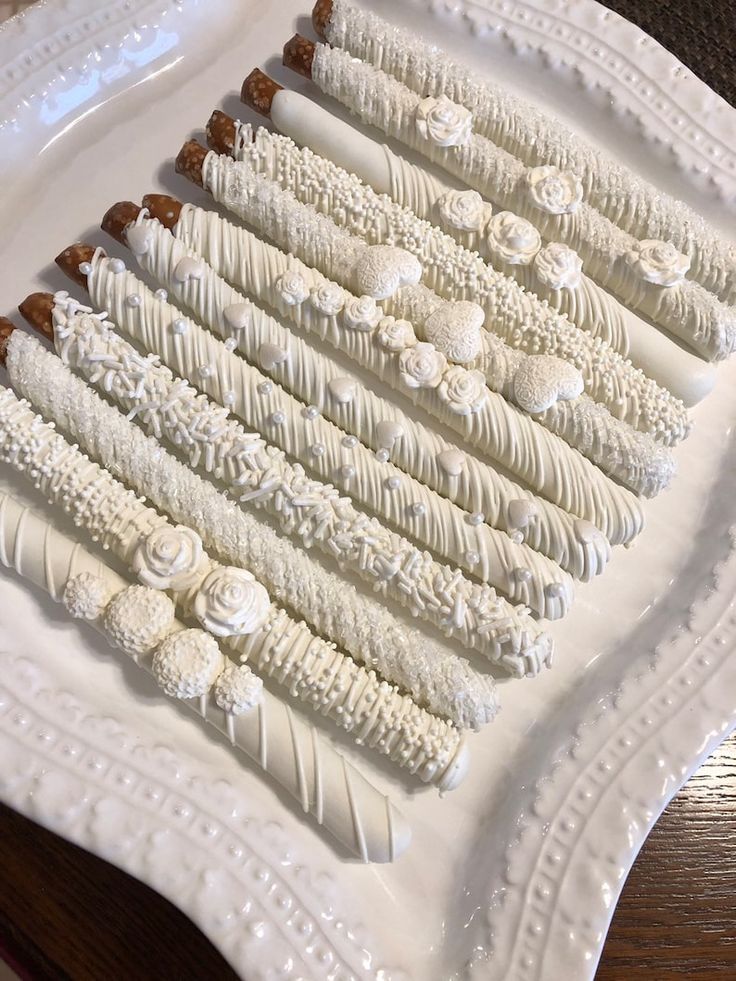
x,y
65,914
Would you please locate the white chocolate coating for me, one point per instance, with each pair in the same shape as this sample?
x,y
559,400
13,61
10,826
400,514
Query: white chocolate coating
x,y
389,562
114,516
686,309
539,138
313,377
507,435
295,754
440,680
456,271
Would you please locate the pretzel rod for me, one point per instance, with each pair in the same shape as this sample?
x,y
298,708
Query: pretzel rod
x,y
290,749
555,274
535,137
631,457
647,275
505,434
282,648
310,375
433,591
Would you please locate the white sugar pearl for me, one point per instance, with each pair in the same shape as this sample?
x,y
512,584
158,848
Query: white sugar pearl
x,y
85,268
179,326
347,472
382,455
350,442
133,300
522,575
264,388
417,509
310,412
117,265
228,398
472,558
230,344
554,590
392,483
205,371
278,418
162,295
477,518
317,449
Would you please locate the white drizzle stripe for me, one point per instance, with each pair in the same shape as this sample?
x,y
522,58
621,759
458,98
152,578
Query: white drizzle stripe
x,y
170,410
454,270
687,309
507,435
308,374
443,681
539,138
632,457
436,592
114,516
49,559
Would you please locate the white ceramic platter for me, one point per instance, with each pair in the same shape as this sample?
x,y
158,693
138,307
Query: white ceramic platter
x,y
515,875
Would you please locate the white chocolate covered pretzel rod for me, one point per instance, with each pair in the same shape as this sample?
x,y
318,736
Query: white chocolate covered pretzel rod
x,y
225,600
554,273
536,137
439,593
647,275
343,398
504,433
288,748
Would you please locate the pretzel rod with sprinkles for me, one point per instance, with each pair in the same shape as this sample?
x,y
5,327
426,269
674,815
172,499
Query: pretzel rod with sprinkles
x,y
291,750
535,137
554,273
310,375
546,387
436,592
647,275
456,396
227,601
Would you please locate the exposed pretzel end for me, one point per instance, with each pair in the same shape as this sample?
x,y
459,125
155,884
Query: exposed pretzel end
x,y
164,208
221,130
37,309
190,161
70,260
118,218
6,329
298,55
258,91
321,13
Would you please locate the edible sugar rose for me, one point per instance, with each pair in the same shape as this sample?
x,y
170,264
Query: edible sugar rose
x,y
658,262
513,239
329,298
555,191
421,366
395,335
292,288
361,313
443,122
558,266
463,391
169,558
230,601
464,210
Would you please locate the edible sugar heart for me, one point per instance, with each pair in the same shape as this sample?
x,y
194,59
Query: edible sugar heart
x,y
455,329
521,512
452,462
188,268
138,238
542,379
342,390
387,432
237,315
270,355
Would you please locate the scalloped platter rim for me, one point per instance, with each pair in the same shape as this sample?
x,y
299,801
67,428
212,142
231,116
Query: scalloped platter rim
x,y
518,871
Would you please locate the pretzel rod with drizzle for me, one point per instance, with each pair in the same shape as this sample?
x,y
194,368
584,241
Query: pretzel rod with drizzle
x,y
535,136
288,748
226,600
310,375
647,275
554,273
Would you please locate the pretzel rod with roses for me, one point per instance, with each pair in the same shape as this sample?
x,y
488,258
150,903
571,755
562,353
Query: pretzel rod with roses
x,y
310,375
436,592
227,600
436,678
647,275
534,136
380,272
553,272
141,622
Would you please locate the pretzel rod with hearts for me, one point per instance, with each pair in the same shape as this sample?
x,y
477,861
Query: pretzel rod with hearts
x,y
288,748
554,273
535,137
454,328
435,677
436,592
227,601
310,375
647,275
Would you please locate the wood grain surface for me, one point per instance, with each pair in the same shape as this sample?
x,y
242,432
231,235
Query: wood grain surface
x,y
67,915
